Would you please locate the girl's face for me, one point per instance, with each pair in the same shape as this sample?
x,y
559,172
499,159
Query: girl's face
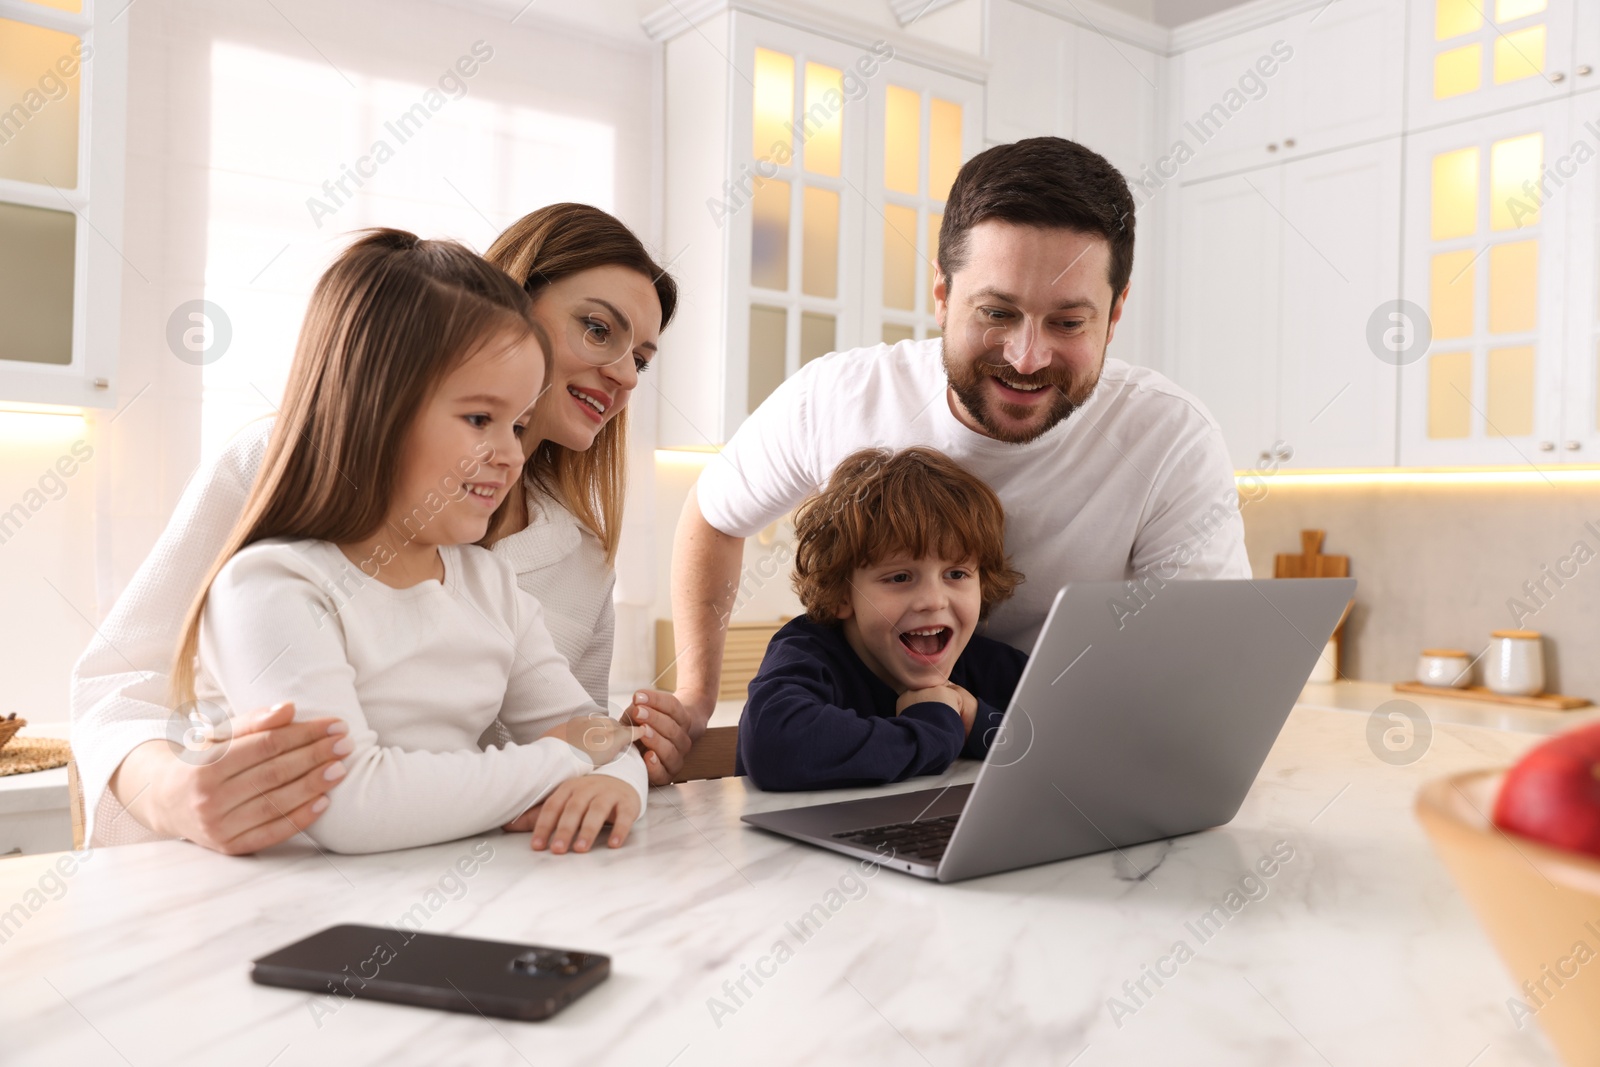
x,y
463,451
603,325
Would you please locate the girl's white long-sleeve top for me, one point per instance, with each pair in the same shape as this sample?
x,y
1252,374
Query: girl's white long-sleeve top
x,y
120,683
418,674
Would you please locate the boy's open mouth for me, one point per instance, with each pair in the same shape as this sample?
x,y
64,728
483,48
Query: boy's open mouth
x,y
927,641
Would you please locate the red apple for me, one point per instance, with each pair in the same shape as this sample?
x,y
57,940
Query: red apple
x,y
1553,793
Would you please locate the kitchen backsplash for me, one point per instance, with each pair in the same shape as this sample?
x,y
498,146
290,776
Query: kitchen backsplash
x,y
1441,566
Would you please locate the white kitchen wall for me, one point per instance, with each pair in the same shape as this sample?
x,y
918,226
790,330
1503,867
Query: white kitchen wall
x,y
237,114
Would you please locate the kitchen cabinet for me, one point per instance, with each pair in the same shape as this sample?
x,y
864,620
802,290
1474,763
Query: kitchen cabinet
x,y
1477,57
1487,262
1315,81
1580,388
63,81
806,174
1053,76
1278,272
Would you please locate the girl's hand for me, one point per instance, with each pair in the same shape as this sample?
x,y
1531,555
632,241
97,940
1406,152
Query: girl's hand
x,y
669,732
575,812
268,784
598,736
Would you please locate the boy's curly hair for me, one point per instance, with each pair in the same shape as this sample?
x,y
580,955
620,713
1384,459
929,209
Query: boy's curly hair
x,y
880,503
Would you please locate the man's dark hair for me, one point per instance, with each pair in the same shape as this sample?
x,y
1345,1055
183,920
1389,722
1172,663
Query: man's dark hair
x,y
1041,181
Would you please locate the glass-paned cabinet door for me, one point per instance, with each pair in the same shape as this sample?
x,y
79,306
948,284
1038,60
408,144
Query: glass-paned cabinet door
x,y
798,146
1471,57
57,345
1484,262
925,124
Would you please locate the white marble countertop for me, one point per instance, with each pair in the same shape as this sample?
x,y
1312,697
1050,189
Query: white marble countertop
x,y
1358,950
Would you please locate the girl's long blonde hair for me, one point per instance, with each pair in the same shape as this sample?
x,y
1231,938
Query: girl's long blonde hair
x,y
388,321
542,248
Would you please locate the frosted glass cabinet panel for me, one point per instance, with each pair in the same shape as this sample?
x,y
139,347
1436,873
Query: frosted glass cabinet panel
x,y
39,126
929,126
37,255
1475,57
1484,257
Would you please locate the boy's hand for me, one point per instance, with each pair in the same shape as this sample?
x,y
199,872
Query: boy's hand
x,y
968,710
575,812
962,702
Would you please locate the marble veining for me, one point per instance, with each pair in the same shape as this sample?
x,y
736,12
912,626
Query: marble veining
x,y
731,946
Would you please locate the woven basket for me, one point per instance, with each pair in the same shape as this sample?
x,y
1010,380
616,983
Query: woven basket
x,y
9,728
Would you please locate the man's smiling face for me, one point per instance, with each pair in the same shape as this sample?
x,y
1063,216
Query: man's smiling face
x,y
1026,323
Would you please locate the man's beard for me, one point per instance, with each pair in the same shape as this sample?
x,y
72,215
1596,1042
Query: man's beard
x,y
966,381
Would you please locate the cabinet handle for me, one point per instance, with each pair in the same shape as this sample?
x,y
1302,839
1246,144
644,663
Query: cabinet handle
x,y
1288,142
1265,458
1573,446
1272,147
1283,451
1547,446
1558,77
1585,70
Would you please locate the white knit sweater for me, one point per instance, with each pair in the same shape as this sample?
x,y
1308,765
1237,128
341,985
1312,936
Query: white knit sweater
x,y
120,683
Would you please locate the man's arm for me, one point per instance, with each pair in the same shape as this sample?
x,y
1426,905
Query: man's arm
x,y
705,577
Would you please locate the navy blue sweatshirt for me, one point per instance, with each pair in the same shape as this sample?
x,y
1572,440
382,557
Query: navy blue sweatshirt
x,y
818,718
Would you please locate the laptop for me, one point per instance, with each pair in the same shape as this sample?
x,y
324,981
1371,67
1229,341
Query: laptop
x,y
1145,712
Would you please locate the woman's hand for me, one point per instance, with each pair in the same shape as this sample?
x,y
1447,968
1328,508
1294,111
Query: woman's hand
x,y
575,812
670,731
269,783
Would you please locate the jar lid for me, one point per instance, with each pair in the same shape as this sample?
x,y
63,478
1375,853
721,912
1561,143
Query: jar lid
x,y
1521,635
1446,653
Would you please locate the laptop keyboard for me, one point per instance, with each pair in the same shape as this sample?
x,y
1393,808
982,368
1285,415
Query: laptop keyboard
x,y
923,839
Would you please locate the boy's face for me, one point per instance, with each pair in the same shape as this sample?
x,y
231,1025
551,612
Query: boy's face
x,y
908,619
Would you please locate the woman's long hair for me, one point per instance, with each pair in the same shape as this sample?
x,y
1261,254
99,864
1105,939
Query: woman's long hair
x,y
386,323
542,248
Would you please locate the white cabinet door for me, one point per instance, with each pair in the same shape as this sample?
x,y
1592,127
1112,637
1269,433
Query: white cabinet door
x,y
1474,57
1580,386
1116,98
1228,109
1031,89
1344,83
1224,348
1485,261
1340,260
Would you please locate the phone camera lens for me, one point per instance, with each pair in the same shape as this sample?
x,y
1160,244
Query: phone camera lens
x,y
545,961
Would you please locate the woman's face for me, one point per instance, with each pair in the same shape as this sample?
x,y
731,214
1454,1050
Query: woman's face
x,y
603,325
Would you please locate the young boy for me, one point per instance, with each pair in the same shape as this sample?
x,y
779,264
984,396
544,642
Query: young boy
x,y
883,678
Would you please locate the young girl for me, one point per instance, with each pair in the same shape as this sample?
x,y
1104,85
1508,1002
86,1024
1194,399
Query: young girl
x,y
351,579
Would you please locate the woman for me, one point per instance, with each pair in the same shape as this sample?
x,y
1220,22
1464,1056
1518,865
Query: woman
x,y
603,301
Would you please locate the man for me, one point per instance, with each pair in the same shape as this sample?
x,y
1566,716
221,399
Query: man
x,y
1107,471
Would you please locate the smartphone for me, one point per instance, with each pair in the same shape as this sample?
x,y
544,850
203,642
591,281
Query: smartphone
x,y
499,978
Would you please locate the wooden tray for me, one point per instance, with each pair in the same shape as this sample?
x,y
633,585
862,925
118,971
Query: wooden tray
x,y
1547,701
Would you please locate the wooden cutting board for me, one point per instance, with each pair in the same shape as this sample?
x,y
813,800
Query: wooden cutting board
x,y
1311,563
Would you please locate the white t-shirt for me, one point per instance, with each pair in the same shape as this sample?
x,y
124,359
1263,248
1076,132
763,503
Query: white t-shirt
x,y
417,673
1136,479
